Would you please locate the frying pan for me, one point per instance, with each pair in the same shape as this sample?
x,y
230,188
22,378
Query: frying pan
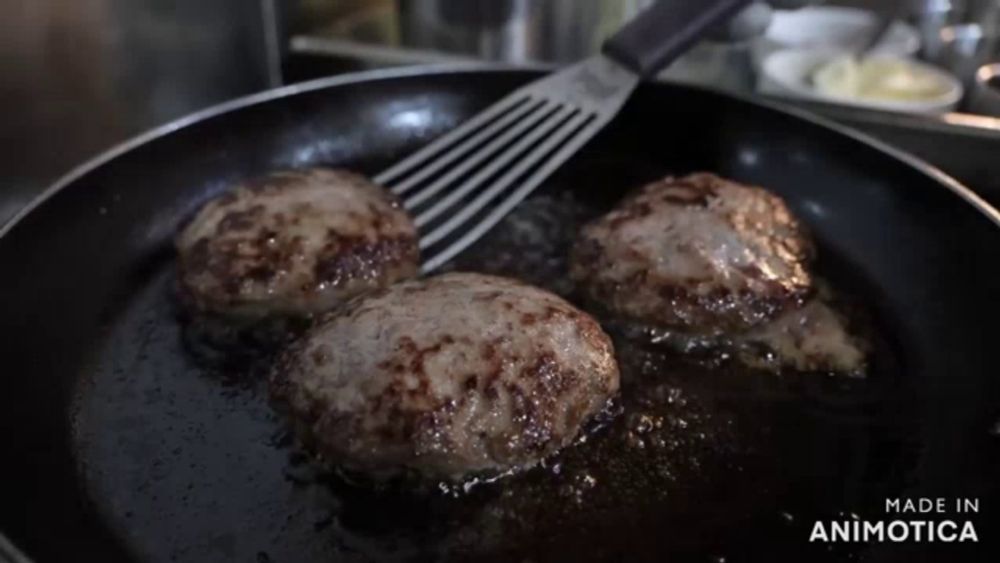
x,y
117,446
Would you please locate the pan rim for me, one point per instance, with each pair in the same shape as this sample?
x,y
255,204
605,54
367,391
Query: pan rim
x,y
939,176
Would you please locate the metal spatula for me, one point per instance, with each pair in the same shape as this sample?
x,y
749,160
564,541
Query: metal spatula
x,y
462,184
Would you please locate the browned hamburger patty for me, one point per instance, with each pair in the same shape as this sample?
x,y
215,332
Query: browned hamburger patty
x,y
294,243
699,253
445,377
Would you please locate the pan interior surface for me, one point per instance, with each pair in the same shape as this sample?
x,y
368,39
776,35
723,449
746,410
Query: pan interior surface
x,y
130,447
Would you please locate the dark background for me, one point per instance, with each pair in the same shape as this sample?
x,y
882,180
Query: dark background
x,y
79,76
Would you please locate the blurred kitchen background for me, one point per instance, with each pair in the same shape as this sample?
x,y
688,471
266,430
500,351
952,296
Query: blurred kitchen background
x,y
82,75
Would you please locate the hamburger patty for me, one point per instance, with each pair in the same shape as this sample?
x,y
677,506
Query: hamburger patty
x,y
700,254
294,243
455,375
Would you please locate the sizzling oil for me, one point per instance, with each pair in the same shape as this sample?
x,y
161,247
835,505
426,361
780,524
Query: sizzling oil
x,y
695,460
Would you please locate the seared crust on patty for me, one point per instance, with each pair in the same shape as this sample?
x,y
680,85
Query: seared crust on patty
x,y
455,375
699,253
294,243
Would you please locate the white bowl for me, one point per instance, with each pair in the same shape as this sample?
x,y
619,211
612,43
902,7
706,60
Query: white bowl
x,y
789,73
837,28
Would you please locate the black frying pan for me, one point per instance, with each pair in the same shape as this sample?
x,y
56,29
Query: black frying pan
x,y
119,446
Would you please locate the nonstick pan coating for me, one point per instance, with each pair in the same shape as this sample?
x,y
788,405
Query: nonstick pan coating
x,y
117,446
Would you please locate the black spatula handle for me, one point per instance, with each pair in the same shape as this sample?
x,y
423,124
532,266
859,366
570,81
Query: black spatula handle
x,y
665,31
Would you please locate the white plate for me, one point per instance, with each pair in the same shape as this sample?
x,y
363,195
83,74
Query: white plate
x,y
789,73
